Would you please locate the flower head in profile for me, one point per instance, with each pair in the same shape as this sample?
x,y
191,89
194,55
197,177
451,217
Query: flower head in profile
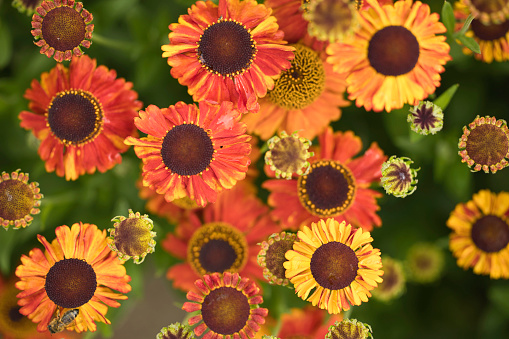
x,y
480,234
81,114
272,257
77,271
227,52
176,331
424,262
491,35
19,200
26,6
335,260
398,178
305,98
288,154
394,58
337,185
132,237
485,144
349,329
331,20
225,239
426,118
488,11
227,306
192,151
394,282
60,27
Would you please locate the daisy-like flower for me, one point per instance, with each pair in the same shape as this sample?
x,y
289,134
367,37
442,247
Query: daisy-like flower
x,y
81,114
480,237
227,306
225,241
272,257
26,6
19,200
489,11
176,331
331,20
337,261
307,322
424,263
288,154
305,98
336,186
426,118
394,282
398,178
61,27
492,37
485,144
192,152
77,271
227,52
132,237
349,329
394,58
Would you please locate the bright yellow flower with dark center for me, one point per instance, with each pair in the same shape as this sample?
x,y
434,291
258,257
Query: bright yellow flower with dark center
x,y
489,11
485,144
337,261
232,51
480,237
61,27
394,58
228,306
77,271
19,200
492,37
192,151
132,237
81,114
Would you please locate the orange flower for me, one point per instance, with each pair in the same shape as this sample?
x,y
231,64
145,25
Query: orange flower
x,y
394,58
77,271
227,52
81,114
192,152
336,186
308,322
226,240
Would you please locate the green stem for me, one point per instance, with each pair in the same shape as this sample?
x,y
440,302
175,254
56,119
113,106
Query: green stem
x,y
466,25
122,45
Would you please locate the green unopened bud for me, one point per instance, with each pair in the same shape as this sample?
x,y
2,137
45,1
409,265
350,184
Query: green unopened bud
x,y
398,178
288,154
426,118
349,329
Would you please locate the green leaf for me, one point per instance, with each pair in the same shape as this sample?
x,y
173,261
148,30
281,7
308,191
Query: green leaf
x,y
470,43
444,99
448,17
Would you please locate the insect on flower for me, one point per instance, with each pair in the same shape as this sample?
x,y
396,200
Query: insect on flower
x,y
59,324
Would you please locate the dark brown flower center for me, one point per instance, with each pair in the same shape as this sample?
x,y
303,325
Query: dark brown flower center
x,y
225,310
217,247
71,283
489,6
14,314
424,118
187,150
393,51
63,28
487,144
334,265
489,32
299,86
75,117
226,48
275,257
490,233
328,189
132,236
16,200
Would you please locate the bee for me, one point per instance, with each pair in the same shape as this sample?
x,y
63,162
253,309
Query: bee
x,y
67,319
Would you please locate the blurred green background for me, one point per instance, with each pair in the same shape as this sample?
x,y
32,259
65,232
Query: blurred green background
x,y
127,37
